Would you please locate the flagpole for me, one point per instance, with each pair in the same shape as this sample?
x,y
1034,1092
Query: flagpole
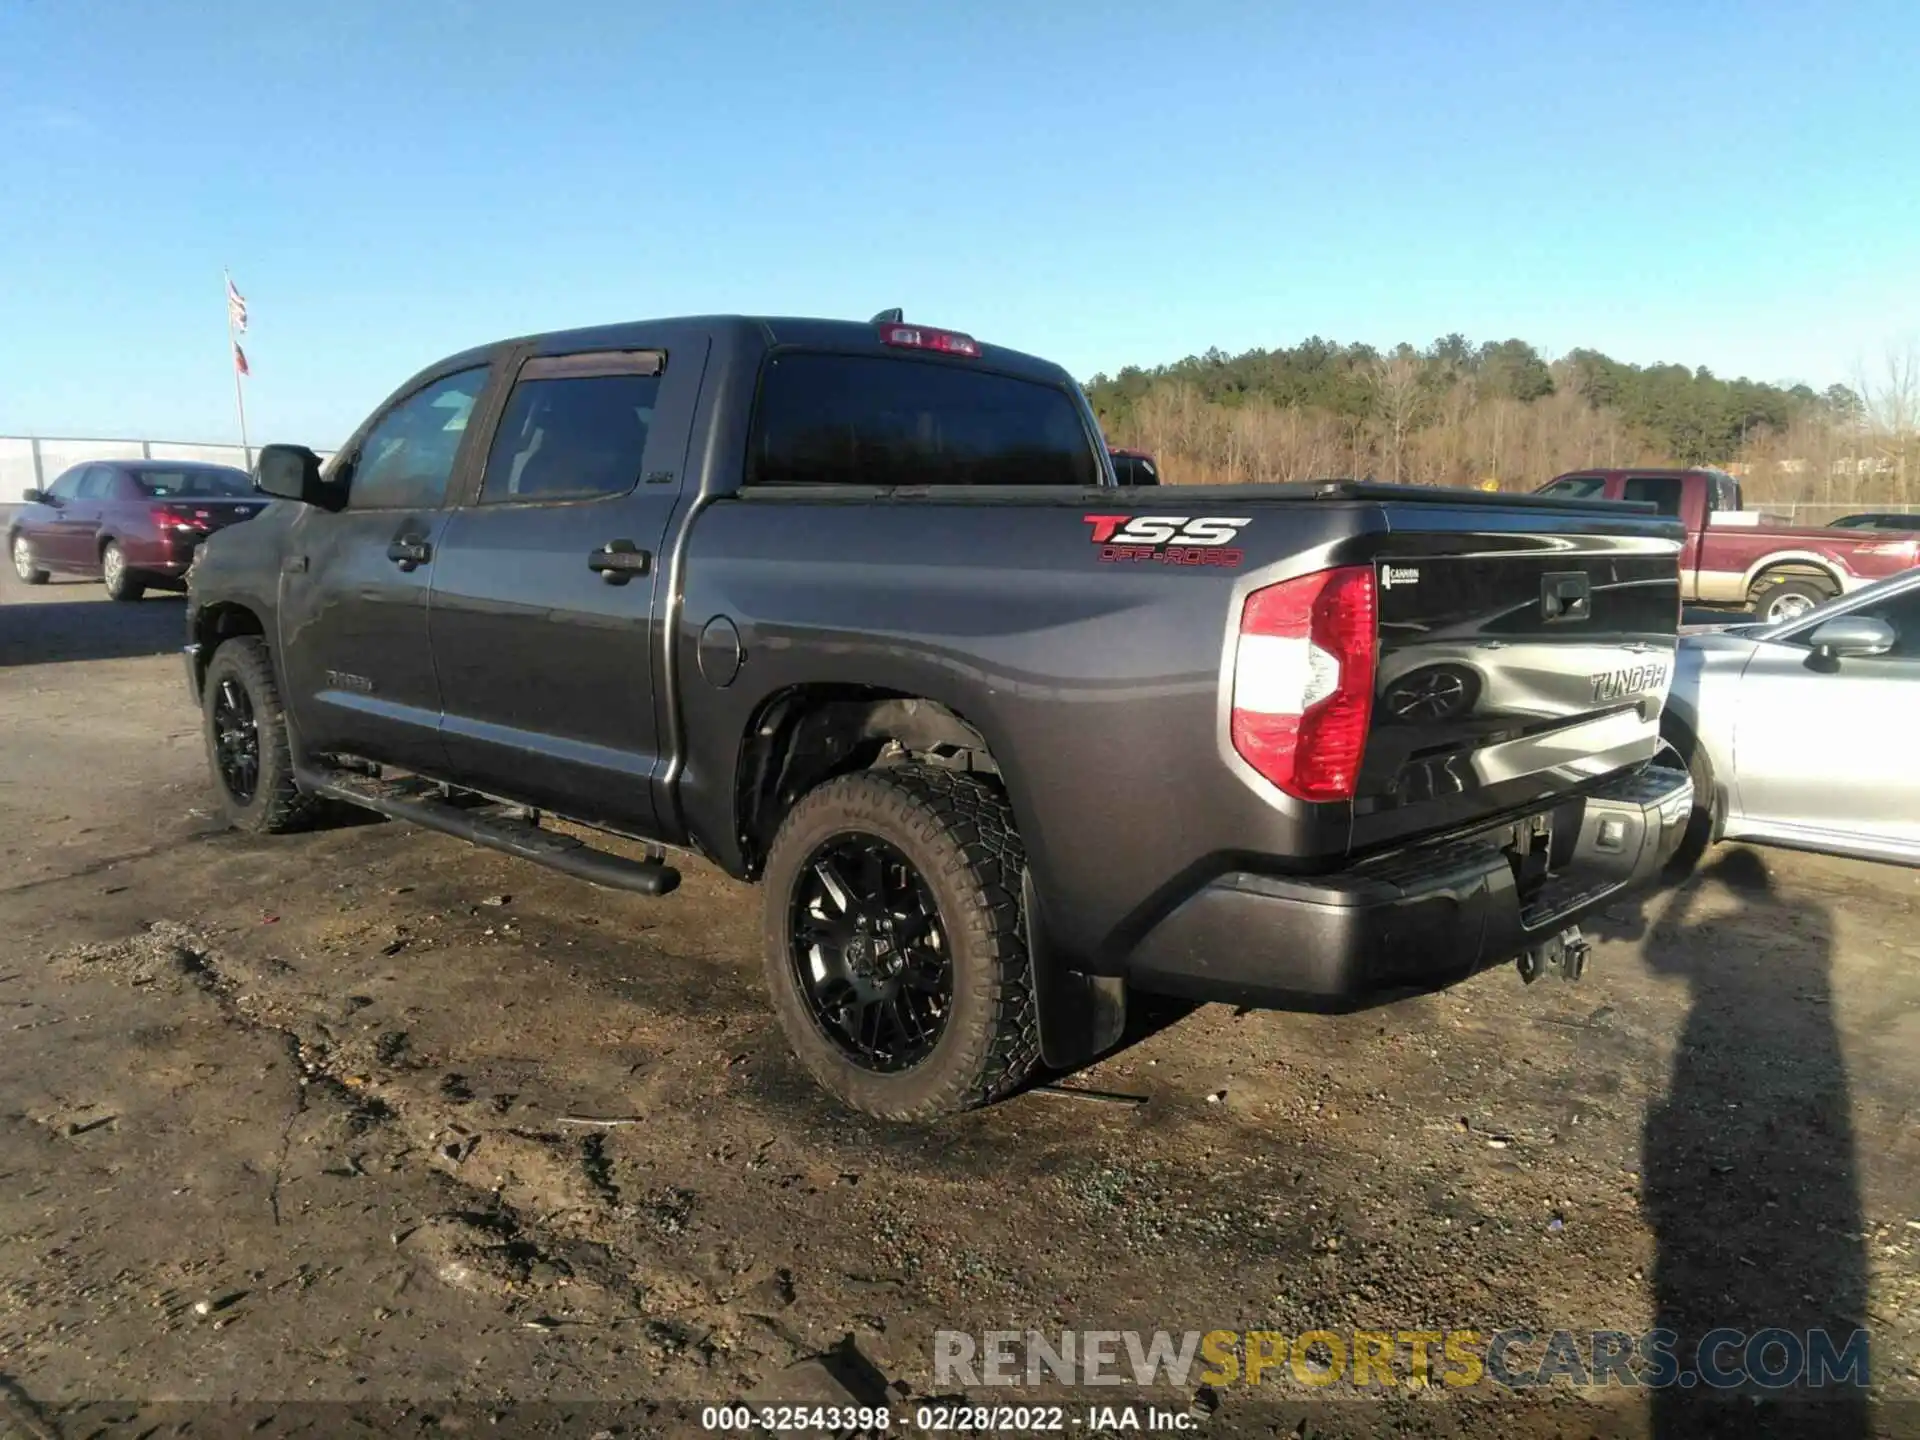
x,y
233,359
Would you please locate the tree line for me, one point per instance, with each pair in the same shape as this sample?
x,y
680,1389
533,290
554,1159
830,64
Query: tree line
x,y
1457,413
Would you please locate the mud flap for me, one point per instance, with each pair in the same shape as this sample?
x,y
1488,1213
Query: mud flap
x,y
1080,1015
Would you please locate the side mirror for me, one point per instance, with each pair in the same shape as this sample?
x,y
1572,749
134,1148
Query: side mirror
x,y
291,472
1851,635
33,497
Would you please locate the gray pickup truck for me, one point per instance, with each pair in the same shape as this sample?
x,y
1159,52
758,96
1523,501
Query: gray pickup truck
x,y
858,611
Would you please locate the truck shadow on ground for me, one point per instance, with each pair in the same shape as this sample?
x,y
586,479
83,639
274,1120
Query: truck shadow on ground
x,y
48,632
1751,1184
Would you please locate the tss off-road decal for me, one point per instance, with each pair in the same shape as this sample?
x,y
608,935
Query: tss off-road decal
x,y
1169,539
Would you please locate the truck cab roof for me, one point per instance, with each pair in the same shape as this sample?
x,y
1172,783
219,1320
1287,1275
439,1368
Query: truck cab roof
x,y
747,333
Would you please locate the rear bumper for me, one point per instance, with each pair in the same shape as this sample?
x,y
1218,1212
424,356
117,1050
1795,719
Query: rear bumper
x,y
166,555
1413,921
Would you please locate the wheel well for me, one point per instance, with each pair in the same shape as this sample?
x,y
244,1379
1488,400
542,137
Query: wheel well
x,y
807,735
214,625
1699,762
1796,570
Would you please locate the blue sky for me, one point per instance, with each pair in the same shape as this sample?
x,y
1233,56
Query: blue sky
x,y
1719,184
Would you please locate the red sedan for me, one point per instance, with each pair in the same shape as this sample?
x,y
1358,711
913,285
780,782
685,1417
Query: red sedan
x,y
131,523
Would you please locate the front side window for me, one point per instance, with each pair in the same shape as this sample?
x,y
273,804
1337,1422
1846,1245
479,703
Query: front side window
x,y
875,420
67,487
1902,612
407,458
1577,487
194,484
570,438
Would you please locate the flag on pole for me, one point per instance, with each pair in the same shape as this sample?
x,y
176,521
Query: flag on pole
x,y
240,360
236,308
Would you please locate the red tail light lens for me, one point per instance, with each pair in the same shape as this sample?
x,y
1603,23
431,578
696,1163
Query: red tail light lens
x,y
919,337
173,517
1303,681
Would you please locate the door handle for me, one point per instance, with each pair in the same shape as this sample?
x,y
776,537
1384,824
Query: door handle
x,y
618,561
409,553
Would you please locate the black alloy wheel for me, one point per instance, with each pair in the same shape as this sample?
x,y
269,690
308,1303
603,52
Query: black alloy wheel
x,y
236,740
869,954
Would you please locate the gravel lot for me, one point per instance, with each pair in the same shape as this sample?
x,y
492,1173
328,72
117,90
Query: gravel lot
x,y
291,1140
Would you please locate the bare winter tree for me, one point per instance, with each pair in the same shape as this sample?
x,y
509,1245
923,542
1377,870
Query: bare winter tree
x,y
1400,402
1893,418
1433,420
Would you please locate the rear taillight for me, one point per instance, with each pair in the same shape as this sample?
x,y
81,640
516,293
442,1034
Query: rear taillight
x,y
1303,681
920,337
170,517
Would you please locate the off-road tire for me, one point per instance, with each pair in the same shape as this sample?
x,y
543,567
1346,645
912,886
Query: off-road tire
x,y
958,832
1769,593
28,573
121,582
278,804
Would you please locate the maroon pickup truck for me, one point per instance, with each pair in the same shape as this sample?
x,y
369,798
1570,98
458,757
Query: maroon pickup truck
x,y
1735,557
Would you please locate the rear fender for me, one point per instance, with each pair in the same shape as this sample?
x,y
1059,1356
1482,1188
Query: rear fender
x,y
1799,564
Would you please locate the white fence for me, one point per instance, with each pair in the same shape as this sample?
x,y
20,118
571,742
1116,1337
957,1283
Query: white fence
x,y
33,462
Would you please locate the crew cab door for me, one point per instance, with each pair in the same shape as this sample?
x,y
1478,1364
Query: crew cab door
x,y
548,589
1825,751
355,582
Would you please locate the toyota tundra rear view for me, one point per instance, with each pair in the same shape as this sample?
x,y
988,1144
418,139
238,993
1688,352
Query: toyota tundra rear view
x,y
859,612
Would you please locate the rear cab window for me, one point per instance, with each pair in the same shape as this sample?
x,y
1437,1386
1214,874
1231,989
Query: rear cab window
x,y
834,419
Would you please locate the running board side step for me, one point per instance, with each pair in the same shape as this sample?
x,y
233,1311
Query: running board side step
x,y
416,803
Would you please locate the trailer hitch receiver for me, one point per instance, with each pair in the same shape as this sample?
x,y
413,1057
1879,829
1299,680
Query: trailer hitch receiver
x,y
1563,955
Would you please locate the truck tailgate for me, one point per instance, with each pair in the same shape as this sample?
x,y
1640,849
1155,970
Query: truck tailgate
x,y
1521,653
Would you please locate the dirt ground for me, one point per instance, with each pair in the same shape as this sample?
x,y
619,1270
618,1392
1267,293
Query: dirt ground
x,y
292,1140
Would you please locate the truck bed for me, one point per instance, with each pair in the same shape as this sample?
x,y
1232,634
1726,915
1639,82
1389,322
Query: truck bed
x,y
1101,675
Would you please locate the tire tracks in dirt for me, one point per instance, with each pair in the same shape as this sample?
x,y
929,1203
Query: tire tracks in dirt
x,y
539,1222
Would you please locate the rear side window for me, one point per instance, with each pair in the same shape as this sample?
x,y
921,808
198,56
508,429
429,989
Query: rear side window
x,y
98,485
1661,490
570,438
872,420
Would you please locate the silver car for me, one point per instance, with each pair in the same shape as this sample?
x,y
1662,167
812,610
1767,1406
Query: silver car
x,y
1801,733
